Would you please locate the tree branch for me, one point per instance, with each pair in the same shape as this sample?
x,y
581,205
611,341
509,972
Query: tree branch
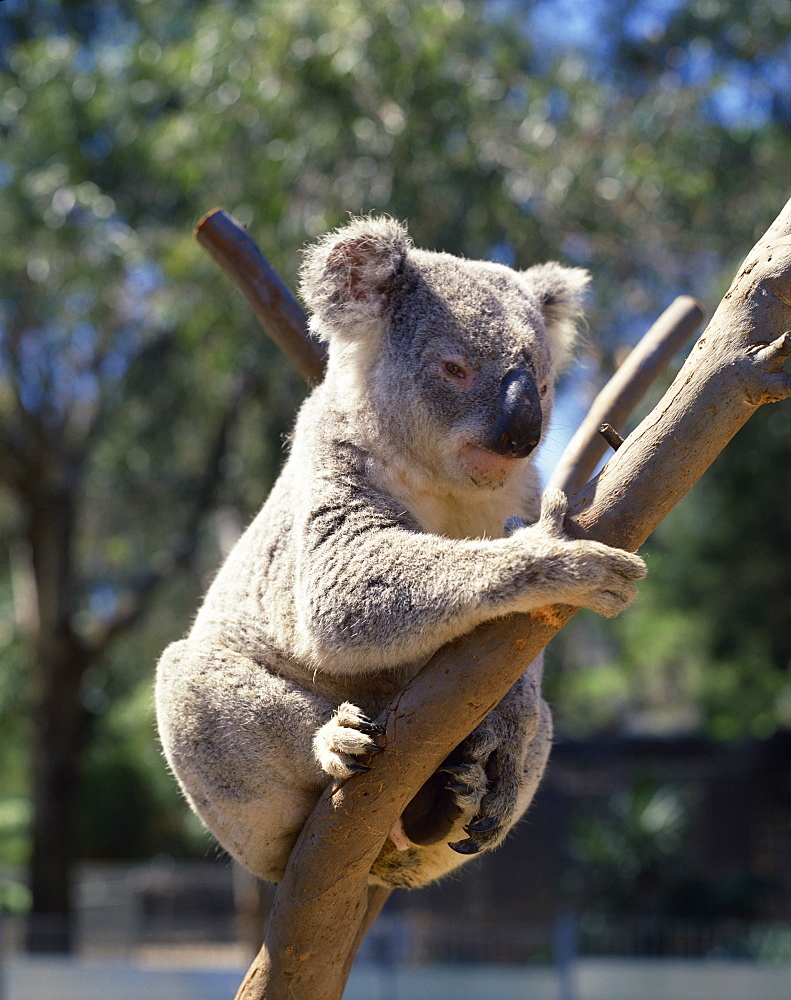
x,y
617,400
736,366
278,311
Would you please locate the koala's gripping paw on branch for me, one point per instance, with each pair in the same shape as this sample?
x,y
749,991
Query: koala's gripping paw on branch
x,y
346,737
485,829
554,506
453,791
604,577
477,781
579,572
496,808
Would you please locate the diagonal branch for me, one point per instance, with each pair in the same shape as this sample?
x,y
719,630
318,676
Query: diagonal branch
x,y
619,397
280,314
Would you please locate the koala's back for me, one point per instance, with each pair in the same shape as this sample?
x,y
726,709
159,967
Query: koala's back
x,y
250,601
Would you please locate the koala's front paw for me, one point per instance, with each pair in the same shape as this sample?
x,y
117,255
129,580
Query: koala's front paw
x,y
347,736
602,577
576,571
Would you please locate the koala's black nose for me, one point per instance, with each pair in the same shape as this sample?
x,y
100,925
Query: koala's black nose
x,y
517,429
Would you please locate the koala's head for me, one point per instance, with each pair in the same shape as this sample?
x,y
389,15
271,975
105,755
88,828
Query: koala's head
x,y
457,358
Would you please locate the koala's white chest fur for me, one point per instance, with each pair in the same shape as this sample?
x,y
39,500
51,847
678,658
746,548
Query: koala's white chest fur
x,y
443,509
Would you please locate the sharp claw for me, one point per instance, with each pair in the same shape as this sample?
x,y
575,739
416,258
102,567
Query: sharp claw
x,y
358,767
454,768
482,825
370,728
465,847
459,789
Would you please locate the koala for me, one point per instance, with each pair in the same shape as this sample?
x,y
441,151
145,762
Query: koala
x,y
407,512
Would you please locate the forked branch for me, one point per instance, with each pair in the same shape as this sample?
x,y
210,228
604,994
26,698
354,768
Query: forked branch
x,y
615,403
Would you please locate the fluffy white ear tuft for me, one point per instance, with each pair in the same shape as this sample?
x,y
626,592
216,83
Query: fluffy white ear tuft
x,y
348,276
561,292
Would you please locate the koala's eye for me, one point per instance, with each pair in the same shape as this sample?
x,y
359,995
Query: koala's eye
x,y
542,389
454,370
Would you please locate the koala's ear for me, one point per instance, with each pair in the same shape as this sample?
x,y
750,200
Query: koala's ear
x,y
348,276
560,292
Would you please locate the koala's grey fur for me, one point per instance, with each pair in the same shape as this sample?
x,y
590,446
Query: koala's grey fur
x,y
383,539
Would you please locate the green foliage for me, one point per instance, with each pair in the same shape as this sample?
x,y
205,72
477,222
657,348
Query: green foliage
x,y
127,809
632,849
15,657
14,897
708,644
631,858
14,821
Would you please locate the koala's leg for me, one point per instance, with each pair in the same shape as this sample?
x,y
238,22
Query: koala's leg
x,y
241,741
490,779
513,754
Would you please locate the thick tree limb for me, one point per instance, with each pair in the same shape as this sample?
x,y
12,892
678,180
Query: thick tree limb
x,y
736,366
619,397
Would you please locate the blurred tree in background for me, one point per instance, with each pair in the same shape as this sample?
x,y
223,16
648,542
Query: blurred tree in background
x,y
142,411
628,855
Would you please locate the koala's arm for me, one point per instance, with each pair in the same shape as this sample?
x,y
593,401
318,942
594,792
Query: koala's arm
x,y
373,592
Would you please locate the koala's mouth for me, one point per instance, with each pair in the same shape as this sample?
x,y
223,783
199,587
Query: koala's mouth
x,y
486,468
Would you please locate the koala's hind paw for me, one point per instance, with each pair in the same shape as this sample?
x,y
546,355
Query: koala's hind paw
x,y
348,735
483,833
454,790
494,814
467,782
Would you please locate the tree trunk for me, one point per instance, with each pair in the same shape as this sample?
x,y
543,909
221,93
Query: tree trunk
x,y
59,718
47,481
736,366
58,742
